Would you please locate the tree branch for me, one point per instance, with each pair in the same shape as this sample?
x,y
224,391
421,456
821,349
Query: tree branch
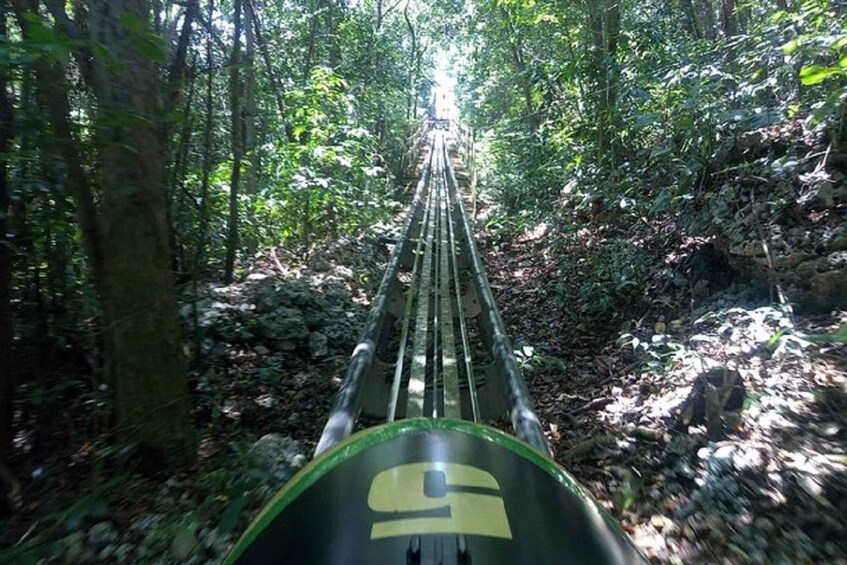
x,y
53,95
177,68
82,54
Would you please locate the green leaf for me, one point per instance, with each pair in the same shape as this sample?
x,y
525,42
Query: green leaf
x,y
775,338
791,46
231,514
547,18
816,74
131,22
152,46
842,62
827,108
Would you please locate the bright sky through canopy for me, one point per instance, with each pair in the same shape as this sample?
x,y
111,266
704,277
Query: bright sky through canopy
x,y
444,90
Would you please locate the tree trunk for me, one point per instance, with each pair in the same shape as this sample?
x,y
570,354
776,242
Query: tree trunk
x,y
53,91
335,51
412,66
690,13
311,41
266,57
176,72
144,340
596,24
411,94
516,48
237,145
251,175
6,384
729,18
708,9
208,138
178,193
605,31
743,14
250,111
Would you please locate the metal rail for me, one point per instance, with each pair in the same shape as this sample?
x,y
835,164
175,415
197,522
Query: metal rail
x,y
435,302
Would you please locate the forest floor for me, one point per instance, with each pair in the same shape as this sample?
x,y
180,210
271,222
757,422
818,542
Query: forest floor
x,y
769,485
273,350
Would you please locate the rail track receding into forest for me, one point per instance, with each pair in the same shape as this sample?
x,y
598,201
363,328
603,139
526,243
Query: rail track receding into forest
x,y
406,470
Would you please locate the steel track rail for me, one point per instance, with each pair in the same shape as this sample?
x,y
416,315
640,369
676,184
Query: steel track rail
x,y
446,288
524,419
347,405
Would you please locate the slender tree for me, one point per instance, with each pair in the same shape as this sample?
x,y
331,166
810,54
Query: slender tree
x,y
125,228
604,24
729,18
206,173
6,384
236,140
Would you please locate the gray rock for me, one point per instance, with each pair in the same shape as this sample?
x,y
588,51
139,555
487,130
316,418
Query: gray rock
x,y
828,290
283,323
820,195
748,249
278,455
261,350
145,524
791,260
314,317
839,241
284,345
267,302
763,525
230,332
837,259
123,553
183,543
721,460
74,547
101,534
289,293
318,345
106,553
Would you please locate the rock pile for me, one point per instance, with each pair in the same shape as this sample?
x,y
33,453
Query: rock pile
x,y
785,221
276,315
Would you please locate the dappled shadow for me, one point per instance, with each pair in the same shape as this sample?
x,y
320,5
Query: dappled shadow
x,y
268,355
768,487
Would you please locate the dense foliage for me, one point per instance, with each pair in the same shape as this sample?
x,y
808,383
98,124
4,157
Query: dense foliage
x,y
628,105
151,150
270,123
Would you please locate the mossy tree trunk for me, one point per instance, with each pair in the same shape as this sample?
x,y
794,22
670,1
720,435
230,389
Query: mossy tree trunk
x,y
6,385
237,137
125,225
144,350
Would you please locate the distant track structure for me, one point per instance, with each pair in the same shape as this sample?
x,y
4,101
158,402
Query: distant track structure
x,y
434,344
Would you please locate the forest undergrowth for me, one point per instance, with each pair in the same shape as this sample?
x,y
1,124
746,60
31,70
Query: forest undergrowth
x,y
275,348
627,330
